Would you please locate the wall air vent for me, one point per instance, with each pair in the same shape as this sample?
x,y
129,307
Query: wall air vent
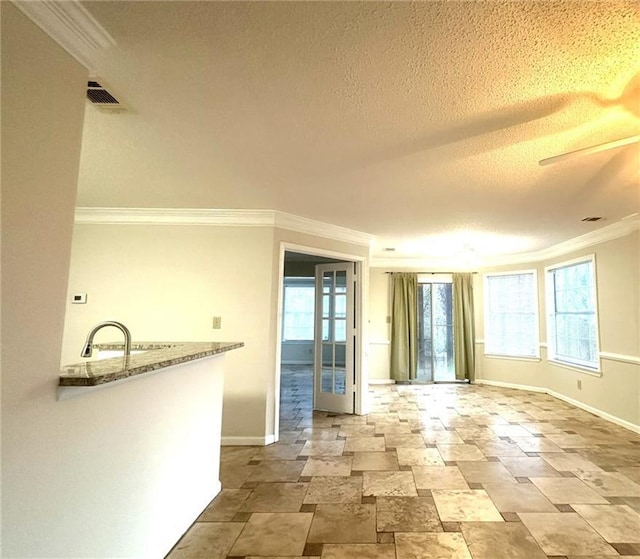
x,y
99,97
591,219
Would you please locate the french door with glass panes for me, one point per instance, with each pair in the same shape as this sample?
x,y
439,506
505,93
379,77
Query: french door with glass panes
x,y
435,332
334,338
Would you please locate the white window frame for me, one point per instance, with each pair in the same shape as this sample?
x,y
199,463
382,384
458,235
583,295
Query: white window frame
x,y
306,282
536,314
552,356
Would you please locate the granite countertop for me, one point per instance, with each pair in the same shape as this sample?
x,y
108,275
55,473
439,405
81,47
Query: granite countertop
x,y
157,355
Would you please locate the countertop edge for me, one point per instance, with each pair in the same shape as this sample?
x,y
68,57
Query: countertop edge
x,y
157,355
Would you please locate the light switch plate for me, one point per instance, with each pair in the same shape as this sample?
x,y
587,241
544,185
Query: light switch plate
x,y
217,322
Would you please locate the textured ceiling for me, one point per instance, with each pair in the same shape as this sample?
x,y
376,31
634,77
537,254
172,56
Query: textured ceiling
x,y
420,123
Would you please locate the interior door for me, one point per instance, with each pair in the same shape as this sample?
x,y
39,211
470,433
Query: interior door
x,y
334,366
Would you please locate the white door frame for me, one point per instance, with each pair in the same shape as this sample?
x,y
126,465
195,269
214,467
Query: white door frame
x,y
360,350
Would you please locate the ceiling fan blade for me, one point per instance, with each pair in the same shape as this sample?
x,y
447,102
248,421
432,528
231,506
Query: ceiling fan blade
x,y
593,149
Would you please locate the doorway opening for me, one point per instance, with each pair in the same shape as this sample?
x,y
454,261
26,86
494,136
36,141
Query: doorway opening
x,y
300,328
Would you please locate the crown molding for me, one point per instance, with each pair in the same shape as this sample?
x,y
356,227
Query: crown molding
x,y
424,264
219,217
70,25
283,220
172,216
616,230
321,229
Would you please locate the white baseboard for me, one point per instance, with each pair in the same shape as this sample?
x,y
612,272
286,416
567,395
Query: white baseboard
x,y
595,411
248,441
577,403
381,381
501,384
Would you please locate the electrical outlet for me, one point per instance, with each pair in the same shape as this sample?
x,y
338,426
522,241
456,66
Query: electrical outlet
x,y
579,385
217,322
79,298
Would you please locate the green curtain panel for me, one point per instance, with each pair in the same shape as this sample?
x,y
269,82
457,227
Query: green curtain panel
x,y
463,327
404,326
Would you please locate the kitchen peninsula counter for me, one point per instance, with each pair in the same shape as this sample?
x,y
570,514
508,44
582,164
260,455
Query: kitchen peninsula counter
x,y
145,357
145,433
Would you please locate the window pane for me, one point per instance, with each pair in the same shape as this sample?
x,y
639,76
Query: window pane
x,y
340,381
511,325
328,358
425,354
327,379
298,315
340,354
327,282
326,306
571,300
325,330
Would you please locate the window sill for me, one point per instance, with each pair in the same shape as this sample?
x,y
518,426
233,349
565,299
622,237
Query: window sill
x,y
577,368
512,357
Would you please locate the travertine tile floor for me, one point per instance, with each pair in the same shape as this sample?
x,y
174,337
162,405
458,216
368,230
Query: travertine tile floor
x,y
433,472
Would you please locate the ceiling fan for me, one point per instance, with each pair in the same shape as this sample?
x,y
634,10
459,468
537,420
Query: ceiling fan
x,y
513,116
589,150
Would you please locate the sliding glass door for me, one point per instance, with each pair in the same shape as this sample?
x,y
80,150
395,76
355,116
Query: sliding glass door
x,y
435,332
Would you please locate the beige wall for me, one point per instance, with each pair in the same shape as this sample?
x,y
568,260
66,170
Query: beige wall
x,y
43,93
618,265
166,282
379,328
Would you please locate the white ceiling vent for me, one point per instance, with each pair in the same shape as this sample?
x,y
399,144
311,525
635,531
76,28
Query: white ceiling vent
x,y
100,97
